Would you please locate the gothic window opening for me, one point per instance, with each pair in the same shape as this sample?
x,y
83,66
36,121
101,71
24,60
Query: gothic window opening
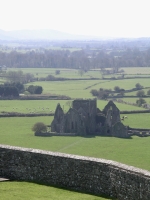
x,y
76,125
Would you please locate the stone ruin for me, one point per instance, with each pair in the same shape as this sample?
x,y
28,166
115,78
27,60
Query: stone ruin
x,y
84,118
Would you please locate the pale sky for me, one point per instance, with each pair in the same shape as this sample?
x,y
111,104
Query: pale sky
x,y
116,18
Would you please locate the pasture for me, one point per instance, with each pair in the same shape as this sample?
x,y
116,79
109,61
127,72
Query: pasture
x,y
17,131
49,106
138,120
136,70
73,89
32,106
133,100
64,72
82,88
74,73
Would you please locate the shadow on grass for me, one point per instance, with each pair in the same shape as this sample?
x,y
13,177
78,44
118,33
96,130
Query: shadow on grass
x,y
106,136
83,136
67,189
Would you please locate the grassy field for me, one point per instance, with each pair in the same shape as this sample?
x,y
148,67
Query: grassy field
x,y
138,120
73,89
133,100
122,107
74,73
82,88
65,73
125,84
49,106
32,106
136,70
17,131
32,191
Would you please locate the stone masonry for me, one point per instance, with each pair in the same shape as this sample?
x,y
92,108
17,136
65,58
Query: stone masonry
x,y
84,174
84,118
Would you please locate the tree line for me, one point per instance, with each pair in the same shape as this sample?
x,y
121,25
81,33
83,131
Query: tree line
x,y
103,93
12,89
84,59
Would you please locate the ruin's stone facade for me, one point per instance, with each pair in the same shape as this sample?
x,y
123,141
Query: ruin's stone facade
x,y
84,118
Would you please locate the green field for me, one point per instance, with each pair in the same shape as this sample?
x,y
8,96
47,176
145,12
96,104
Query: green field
x,y
49,106
138,120
137,70
133,100
17,131
31,106
74,73
32,191
73,89
81,89
65,73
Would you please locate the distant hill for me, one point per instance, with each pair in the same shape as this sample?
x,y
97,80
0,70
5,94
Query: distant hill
x,y
5,36
43,34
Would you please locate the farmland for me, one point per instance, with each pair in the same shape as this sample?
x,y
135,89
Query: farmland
x,y
17,130
49,106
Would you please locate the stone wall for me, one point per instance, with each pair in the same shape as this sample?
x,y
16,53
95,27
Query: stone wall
x,y
92,175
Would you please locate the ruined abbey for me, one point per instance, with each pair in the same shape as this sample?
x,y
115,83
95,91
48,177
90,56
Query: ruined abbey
x,y
84,118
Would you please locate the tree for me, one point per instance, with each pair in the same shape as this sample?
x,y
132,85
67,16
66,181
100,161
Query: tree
x,y
6,91
94,92
103,94
81,72
19,76
18,85
15,75
35,89
50,78
69,104
38,90
140,93
138,86
140,101
117,88
39,127
57,72
148,92
121,92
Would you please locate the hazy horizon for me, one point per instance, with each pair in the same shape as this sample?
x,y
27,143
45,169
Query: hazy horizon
x,y
100,18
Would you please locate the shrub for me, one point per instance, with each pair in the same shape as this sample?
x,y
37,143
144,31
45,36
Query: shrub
x,y
140,93
138,86
103,94
140,101
6,91
94,92
18,85
148,92
50,78
35,89
117,88
39,127
57,72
